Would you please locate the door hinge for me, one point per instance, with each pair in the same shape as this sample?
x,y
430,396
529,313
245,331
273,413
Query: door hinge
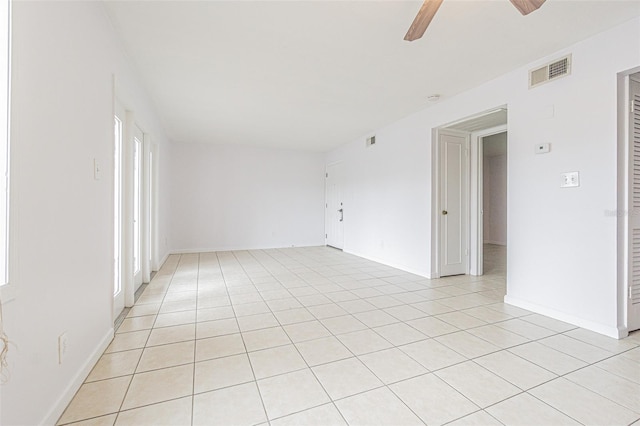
x,y
326,206
326,236
326,175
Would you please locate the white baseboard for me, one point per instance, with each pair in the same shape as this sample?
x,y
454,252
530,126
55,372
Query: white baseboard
x,y
609,331
238,248
164,259
404,268
65,398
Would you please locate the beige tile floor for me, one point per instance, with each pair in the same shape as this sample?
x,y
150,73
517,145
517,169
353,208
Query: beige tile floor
x,y
313,336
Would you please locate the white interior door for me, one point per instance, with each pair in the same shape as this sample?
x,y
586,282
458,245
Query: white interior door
x,y
334,216
633,320
118,288
454,200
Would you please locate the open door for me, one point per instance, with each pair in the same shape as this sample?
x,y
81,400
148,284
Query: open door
x,y
633,321
454,201
334,207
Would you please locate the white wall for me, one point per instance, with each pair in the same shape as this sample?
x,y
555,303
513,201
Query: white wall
x,y
562,247
495,189
232,197
386,196
64,57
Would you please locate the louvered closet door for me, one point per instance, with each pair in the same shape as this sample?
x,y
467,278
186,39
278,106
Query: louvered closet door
x,y
634,213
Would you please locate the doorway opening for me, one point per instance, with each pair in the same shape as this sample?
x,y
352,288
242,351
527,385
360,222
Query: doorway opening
x,y
493,185
469,196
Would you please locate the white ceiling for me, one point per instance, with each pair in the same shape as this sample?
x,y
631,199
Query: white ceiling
x,y
317,74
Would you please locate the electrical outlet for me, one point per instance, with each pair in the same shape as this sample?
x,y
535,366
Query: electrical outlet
x,y
63,346
570,180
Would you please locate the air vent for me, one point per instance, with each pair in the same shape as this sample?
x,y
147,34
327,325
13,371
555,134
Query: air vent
x,y
371,141
551,71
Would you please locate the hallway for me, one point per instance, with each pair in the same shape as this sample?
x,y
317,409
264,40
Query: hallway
x,y
316,336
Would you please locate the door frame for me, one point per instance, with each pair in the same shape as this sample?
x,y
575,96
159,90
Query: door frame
x,y
476,199
139,138
127,209
119,216
145,210
623,203
148,207
154,220
471,186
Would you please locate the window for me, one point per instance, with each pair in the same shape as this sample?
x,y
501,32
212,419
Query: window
x,y
137,201
5,92
6,291
117,284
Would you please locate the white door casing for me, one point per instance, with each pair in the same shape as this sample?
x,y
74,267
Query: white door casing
x,y
135,211
119,289
138,206
145,210
476,212
127,210
154,222
633,307
334,207
454,202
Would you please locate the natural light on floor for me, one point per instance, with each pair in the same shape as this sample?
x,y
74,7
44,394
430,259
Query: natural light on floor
x,y
316,336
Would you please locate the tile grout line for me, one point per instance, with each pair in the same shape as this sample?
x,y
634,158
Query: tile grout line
x,y
312,372
255,380
195,341
316,274
139,359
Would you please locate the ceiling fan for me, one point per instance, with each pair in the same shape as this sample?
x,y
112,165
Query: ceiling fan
x,y
430,7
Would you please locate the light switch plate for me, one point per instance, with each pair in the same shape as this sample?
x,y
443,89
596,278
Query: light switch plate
x,y
543,148
570,180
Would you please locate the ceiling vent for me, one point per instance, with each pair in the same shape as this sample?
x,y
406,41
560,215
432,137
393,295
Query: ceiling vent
x,y
371,141
550,71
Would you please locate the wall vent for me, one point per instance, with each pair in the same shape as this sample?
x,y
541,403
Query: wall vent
x,y
371,141
551,71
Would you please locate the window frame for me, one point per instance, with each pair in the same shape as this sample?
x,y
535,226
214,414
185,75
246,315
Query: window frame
x,y
7,290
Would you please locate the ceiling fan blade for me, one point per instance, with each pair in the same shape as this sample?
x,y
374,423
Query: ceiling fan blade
x,y
527,6
423,19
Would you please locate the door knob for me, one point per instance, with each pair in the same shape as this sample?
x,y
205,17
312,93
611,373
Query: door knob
x,y
444,212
